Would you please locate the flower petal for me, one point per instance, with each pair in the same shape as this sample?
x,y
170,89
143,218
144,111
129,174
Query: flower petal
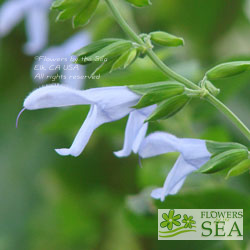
x,y
55,96
113,99
78,40
96,117
90,124
11,13
177,223
170,225
164,223
37,37
135,131
165,216
177,217
176,175
158,143
171,214
193,149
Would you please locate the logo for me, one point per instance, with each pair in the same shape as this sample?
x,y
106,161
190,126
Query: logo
x,y
200,224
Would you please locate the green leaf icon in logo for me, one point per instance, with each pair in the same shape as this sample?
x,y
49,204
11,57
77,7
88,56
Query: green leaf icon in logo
x,y
170,219
188,221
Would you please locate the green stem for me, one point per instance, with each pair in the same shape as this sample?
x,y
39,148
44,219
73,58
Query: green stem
x,y
170,73
124,25
229,114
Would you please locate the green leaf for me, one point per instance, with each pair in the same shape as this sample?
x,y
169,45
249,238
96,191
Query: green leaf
x,y
216,148
166,39
104,68
80,11
169,107
113,50
224,160
167,91
139,3
95,46
228,69
92,48
239,169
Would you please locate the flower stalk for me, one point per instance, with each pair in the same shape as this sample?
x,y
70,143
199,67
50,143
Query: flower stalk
x,y
175,76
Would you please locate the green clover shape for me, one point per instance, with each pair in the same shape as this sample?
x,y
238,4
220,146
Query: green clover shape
x,y
170,219
188,221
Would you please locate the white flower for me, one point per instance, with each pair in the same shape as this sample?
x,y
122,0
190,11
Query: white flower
x,y
46,65
108,104
36,14
193,154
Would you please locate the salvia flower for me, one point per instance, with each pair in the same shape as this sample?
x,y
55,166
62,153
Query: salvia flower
x,y
136,130
35,13
60,58
108,104
193,154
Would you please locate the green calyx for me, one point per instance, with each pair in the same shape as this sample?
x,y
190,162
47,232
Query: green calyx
x,y
169,107
216,148
224,160
155,96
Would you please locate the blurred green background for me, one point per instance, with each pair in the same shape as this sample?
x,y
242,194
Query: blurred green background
x,y
97,201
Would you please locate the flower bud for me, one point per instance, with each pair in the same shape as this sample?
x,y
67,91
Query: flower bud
x,y
166,39
227,70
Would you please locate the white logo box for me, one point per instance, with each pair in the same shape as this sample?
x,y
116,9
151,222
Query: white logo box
x,y
200,224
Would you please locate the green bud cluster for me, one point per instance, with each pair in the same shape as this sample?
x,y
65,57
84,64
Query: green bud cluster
x,y
112,53
80,11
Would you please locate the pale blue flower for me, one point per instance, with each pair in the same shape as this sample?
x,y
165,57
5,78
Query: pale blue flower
x,y
35,13
46,65
135,131
108,104
193,154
